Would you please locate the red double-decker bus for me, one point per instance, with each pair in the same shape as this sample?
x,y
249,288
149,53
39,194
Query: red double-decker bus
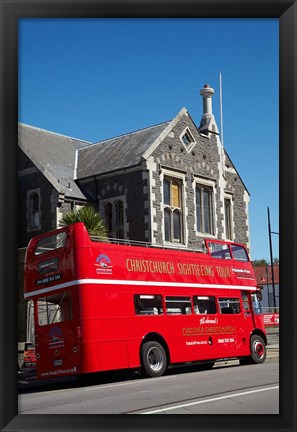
x,y
104,306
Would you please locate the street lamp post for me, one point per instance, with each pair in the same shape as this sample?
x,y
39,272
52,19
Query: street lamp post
x,y
267,282
271,257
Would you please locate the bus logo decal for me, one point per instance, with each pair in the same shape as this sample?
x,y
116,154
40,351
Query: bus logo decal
x,y
56,338
103,264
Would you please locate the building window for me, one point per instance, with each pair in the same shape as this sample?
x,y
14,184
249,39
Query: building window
x,y
204,209
33,204
187,139
172,191
115,218
108,216
228,218
119,211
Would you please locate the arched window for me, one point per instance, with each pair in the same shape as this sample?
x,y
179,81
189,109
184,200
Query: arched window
x,y
119,233
204,209
172,200
114,217
34,211
228,218
177,225
108,216
167,219
119,211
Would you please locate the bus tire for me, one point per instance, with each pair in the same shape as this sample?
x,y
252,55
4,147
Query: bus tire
x,y
258,349
154,359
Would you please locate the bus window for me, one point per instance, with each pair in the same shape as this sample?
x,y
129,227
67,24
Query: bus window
x,y
178,305
53,242
204,305
256,304
54,308
239,253
245,301
219,250
147,304
229,305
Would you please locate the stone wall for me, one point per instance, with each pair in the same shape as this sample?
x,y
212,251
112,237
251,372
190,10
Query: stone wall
x,y
131,188
202,162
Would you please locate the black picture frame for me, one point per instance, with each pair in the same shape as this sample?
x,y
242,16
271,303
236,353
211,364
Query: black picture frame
x,y
11,12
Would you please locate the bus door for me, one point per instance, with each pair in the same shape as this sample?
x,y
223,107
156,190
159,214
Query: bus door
x,y
247,309
56,338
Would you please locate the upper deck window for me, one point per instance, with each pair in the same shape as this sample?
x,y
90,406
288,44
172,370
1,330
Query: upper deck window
x,y
219,250
239,253
53,242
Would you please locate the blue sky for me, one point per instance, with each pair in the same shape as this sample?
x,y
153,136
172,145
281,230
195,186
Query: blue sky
x,y
98,78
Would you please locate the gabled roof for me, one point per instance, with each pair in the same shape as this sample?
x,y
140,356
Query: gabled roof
x,y
261,275
54,155
117,153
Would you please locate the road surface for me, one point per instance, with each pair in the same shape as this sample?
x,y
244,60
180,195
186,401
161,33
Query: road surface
x,y
231,389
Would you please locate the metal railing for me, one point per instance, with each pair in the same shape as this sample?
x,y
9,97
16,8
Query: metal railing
x,y
145,244
270,310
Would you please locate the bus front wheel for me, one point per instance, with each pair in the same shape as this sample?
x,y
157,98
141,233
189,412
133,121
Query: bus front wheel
x,y
258,349
154,359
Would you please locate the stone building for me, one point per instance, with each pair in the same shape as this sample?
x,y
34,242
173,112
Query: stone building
x,y
171,184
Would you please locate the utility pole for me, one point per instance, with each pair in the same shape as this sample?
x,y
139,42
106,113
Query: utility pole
x,y
271,258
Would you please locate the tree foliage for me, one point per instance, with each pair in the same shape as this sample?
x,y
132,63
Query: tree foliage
x,y
260,262
263,262
92,220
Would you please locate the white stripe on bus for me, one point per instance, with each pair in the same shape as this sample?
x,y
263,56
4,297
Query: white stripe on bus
x,y
135,283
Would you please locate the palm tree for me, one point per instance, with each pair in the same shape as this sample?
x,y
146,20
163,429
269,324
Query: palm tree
x,y
92,220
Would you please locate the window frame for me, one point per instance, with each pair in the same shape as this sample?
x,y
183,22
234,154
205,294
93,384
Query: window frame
x,y
236,258
229,220
179,300
45,301
170,210
246,304
203,298
32,225
202,186
192,142
141,299
108,215
229,300
117,222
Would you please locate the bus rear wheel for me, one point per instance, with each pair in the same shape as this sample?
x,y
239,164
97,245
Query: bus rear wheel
x,y
154,359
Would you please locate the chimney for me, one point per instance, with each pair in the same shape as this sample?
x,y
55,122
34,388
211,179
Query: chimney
x,y
207,94
208,123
